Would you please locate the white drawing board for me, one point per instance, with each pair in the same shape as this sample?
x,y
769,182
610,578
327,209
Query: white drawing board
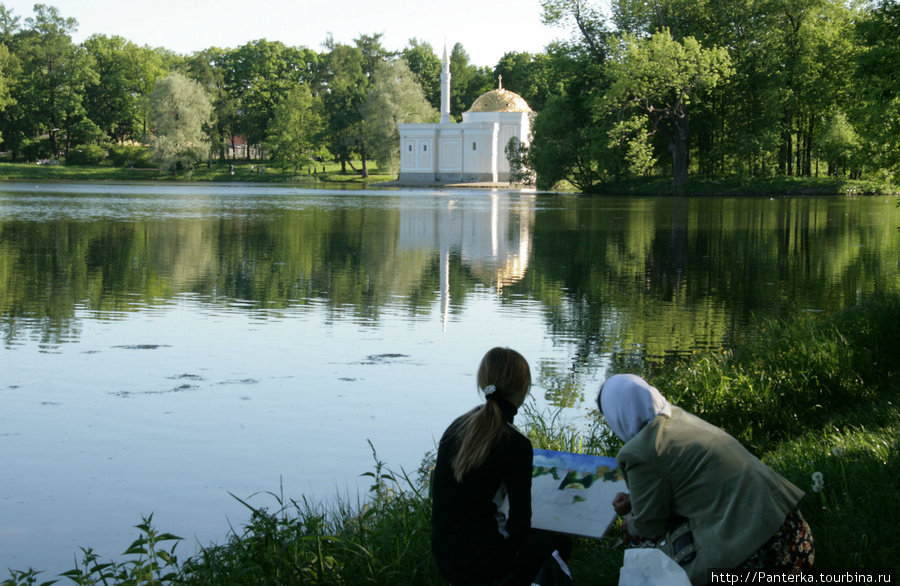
x,y
573,493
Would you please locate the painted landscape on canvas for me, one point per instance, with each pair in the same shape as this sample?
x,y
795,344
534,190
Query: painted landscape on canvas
x,y
573,493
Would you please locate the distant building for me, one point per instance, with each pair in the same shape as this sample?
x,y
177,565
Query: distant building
x,y
472,151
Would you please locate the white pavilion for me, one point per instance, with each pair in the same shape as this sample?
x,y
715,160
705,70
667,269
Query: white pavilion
x,y
472,151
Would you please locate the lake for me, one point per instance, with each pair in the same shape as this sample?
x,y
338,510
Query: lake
x,y
168,346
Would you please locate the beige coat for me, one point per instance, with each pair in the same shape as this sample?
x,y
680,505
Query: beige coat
x,y
682,465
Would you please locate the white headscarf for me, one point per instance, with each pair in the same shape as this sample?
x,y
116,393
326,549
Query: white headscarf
x,y
629,403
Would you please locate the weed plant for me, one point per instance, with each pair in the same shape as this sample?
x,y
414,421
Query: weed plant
x,y
817,399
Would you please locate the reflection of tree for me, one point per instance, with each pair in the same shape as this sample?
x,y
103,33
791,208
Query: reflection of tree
x,y
354,261
645,278
624,278
564,389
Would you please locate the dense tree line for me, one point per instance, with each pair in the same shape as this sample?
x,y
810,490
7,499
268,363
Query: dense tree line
x,y
750,87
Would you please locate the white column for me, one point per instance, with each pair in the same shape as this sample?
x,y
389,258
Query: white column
x,y
445,88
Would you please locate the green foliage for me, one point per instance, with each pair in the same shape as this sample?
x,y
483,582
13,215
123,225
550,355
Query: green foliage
x,y
520,170
467,81
296,133
258,76
394,97
426,66
180,110
122,155
631,139
384,540
876,72
532,76
87,154
34,149
659,77
149,563
127,74
811,396
797,377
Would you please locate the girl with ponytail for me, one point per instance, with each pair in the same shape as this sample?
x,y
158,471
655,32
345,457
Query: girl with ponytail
x,y
483,460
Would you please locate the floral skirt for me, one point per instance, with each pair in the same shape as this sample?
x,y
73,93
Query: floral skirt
x,y
790,549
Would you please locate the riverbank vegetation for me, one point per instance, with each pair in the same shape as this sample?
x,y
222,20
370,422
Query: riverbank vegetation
x,y
664,93
817,398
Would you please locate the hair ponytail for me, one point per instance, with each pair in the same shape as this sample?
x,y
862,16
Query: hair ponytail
x,y
508,371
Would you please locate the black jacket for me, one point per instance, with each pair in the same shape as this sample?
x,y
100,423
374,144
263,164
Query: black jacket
x,y
464,514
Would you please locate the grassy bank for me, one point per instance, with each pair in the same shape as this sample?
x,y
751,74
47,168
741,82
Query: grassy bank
x,y
325,173
331,173
813,394
736,185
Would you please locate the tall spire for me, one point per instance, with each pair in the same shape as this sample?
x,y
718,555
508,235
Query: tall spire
x,y
445,87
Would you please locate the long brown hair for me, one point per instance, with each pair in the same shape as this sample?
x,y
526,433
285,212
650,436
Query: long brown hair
x,y
508,372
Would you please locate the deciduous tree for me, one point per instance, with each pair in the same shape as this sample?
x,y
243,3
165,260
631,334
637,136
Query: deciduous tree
x,y
180,111
296,133
660,76
394,97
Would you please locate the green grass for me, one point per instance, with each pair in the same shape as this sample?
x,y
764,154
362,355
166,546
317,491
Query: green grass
x,y
731,185
818,394
216,172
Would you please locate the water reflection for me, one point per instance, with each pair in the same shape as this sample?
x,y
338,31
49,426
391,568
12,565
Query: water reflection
x,y
494,245
645,277
165,345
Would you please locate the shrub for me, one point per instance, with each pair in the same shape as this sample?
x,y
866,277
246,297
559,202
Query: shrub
x,y
121,155
87,154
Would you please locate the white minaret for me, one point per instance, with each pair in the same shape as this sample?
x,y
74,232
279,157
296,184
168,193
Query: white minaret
x,y
445,88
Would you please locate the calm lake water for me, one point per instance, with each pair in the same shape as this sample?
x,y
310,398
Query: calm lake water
x,y
164,346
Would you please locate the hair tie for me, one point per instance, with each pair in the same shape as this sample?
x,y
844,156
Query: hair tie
x,y
489,390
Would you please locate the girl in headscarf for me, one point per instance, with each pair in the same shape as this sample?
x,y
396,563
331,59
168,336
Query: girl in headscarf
x,y
483,460
696,492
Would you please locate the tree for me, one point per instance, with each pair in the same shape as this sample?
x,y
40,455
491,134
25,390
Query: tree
x,y
9,24
586,19
659,76
426,66
6,98
296,133
877,72
467,81
529,75
348,73
180,109
258,76
126,76
394,97
346,84
49,92
207,68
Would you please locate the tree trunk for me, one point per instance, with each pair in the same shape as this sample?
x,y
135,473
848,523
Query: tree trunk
x,y
785,163
678,145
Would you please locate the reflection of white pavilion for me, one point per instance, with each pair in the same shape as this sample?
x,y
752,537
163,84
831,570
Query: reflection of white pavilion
x,y
493,240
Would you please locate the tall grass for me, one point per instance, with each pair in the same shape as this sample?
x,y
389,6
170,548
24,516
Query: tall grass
x,y
809,395
385,539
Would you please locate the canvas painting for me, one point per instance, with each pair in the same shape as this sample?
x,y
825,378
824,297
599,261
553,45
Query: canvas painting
x,y
573,493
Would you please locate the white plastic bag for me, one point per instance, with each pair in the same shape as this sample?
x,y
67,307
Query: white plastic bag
x,y
651,567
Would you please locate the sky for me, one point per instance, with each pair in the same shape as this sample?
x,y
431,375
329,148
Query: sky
x,y
486,28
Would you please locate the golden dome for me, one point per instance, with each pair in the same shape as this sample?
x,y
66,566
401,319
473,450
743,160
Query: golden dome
x,y
500,100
